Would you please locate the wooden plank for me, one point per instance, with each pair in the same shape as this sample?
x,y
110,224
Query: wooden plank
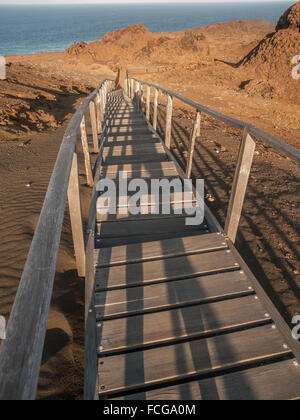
x,y
94,126
169,122
128,129
133,142
239,186
195,133
76,218
149,329
175,209
153,236
127,123
127,137
148,199
134,149
275,382
86,153
122,160
161,270
140,170
159,249
124,115
171,294
187,360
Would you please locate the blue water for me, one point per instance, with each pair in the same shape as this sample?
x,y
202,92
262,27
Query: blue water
x,y
29,29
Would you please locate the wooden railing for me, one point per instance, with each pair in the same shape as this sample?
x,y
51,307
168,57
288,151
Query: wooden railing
x,y
21,352
138,90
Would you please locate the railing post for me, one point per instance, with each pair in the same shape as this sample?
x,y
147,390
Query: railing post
x,y
85,147
76,217
102,102
195,134
169,122
141,97
94,126
155,105
137,89
240,184
131,88
148,103
99,113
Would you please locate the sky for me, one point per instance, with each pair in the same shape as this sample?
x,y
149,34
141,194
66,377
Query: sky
x,y
121,1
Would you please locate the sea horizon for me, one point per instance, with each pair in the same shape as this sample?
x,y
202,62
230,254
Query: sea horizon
x,y
28,29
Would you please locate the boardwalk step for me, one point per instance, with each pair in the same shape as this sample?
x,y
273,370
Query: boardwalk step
x,y
140,170
195,359
277,381
132,150
128,129
142,158
165,269
159,249
112,138
168,295
150,329
144,238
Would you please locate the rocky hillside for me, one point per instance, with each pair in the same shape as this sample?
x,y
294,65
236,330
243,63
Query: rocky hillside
x,y
137,45
271,59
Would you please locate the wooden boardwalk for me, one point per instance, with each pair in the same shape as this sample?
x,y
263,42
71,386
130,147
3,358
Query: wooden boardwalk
x,y
171,309
177,313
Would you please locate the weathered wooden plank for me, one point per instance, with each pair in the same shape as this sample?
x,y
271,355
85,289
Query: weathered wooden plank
x,y
76,218
140,169
117,160
275,382
123,115
115,303
146,175
149,329
126,138
153,236
159,249
186,360
165,269
134,149
128,129
161,208
133,143
138,123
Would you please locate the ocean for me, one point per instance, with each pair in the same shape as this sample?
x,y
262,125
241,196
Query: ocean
x,y
30,28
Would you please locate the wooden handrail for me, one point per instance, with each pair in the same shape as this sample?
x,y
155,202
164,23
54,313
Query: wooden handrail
x,y
281,146
246,152
21,352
